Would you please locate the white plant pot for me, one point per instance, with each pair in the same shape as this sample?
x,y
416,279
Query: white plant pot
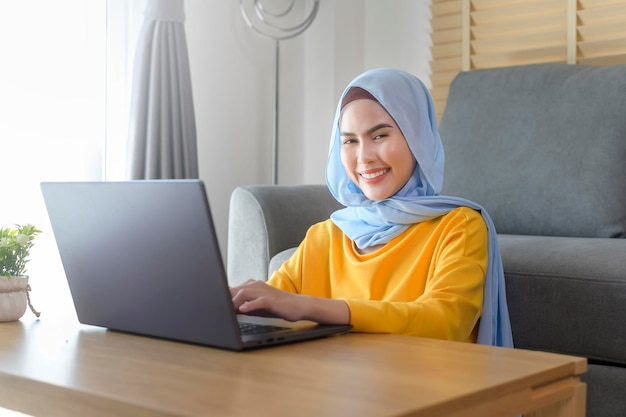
x,y
13,297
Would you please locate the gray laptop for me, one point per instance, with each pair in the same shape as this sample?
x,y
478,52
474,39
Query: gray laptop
x,y
142,257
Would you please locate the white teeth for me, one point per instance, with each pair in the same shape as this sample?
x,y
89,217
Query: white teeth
x,y
374,174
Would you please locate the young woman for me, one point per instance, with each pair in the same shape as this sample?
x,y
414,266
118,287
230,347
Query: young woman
x,y
398,258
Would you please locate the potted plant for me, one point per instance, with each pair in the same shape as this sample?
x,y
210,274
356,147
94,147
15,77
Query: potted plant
x,y
15,245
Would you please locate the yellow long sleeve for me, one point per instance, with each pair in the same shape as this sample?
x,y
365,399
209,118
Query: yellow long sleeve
x,y
427,282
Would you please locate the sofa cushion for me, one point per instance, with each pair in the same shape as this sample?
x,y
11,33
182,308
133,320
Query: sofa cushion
x,y
541,147
567,295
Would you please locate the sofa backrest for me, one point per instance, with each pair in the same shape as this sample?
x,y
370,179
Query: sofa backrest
x,y
541,147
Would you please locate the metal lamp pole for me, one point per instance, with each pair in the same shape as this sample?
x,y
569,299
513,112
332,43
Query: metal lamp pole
x,y
271,25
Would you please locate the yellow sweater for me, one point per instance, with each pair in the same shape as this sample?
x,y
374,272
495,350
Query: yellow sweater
x,y
427,282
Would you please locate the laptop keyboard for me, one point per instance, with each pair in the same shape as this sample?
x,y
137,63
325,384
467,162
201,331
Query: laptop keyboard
x,y
253,328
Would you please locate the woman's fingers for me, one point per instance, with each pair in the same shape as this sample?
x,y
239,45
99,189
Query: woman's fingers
x,y
257,296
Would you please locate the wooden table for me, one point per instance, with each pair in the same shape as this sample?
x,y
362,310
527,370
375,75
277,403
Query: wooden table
x,y
53,369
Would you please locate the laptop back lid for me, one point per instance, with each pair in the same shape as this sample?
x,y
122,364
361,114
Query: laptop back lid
x,y
143,257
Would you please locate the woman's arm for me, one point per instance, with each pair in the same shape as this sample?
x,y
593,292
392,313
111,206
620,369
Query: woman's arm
x,y
256,296
449,304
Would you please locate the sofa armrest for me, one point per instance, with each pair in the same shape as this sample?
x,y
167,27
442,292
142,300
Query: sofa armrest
x,y
267,219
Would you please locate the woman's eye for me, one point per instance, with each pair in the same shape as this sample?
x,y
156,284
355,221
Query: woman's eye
x,y
348,141
381,136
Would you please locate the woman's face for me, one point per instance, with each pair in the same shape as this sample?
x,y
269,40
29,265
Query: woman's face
x,y
374,152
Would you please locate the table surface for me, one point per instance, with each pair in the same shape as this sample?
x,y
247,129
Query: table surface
x,y
61,368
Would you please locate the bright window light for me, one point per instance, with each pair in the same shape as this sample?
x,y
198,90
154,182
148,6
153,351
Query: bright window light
x,y
64,81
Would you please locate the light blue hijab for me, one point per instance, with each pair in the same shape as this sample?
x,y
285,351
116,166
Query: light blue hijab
x,y
370,223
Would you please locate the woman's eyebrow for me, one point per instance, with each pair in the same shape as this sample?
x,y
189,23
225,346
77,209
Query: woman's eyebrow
x,y
370,130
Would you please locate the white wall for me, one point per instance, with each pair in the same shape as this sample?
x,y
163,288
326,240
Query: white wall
x,y
232,71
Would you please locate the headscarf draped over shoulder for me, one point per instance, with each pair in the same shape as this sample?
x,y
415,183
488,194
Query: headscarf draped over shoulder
x,y
368,222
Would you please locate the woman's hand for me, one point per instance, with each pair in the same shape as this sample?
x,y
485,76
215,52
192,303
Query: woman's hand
x,y
257,297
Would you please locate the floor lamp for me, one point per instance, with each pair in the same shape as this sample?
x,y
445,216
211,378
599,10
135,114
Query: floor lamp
x,y
276,25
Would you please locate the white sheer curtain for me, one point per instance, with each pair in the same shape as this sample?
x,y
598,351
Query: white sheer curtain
x,y
162,137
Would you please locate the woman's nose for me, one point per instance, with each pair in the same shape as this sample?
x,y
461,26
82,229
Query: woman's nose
x,y
366,153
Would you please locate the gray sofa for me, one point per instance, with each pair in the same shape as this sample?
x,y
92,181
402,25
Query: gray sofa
x,y
543,149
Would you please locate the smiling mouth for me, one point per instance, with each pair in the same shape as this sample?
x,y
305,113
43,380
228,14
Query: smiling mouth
x,y
372,175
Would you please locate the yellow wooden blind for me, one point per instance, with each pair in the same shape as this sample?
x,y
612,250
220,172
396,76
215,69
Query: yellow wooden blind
x,y
474,34
447,48
601,32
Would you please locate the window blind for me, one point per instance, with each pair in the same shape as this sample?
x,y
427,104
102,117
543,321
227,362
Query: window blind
x,y
476,34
